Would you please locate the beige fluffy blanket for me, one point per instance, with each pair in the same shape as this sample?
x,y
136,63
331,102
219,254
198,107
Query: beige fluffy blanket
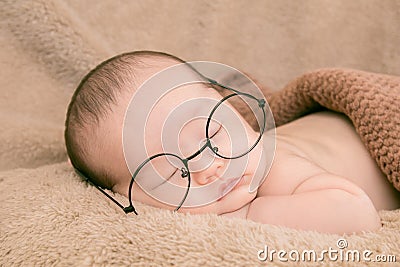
x,y
49,216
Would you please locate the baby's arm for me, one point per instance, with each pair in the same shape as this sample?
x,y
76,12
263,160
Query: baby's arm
x,y
324,202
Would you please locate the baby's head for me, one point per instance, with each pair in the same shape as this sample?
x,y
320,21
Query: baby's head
x,y
95,121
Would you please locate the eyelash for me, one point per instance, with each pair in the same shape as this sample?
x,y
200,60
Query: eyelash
x,y
219,129
172,174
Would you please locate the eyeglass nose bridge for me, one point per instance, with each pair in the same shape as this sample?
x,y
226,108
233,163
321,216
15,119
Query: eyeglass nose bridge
x,y
198,152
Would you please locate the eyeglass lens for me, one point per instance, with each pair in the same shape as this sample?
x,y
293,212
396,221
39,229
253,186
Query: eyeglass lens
x,y
170,172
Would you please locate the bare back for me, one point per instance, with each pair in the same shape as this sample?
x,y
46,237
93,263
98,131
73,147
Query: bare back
x,y
326,141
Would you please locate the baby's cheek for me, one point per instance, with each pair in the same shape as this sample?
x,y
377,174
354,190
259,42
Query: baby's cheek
x,y
178,180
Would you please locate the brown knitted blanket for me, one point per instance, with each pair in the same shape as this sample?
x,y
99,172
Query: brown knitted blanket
x,y
370,100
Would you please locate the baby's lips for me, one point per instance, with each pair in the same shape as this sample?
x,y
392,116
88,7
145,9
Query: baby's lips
x,y
228,185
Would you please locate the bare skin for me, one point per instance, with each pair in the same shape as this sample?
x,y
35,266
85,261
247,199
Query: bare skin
x,y
322,177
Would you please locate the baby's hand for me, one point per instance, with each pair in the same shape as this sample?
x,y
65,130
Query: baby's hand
x,y
324,202
236,202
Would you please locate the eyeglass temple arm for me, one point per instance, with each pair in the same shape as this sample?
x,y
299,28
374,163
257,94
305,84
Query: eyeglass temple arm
x,y
125,209
214,82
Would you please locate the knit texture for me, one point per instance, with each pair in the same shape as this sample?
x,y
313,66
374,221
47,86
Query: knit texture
x,y
370,100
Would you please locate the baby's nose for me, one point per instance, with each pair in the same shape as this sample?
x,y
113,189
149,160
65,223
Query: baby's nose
x,y
209,174
204,158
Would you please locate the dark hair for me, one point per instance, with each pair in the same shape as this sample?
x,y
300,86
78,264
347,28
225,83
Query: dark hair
x,y
93,100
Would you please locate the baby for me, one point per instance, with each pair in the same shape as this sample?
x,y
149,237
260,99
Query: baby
x,y
321,178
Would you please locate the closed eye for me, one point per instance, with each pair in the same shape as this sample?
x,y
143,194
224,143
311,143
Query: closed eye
x,y
219,129
172,174
166,180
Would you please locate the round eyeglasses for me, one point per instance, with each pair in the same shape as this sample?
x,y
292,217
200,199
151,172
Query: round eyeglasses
x,y
174,169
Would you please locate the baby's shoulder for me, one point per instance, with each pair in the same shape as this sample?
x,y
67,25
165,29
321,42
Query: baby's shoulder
x,y
289,169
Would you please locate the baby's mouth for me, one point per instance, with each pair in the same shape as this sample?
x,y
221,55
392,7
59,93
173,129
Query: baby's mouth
x,y
229,185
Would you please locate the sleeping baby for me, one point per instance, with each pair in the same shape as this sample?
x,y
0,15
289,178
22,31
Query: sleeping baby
x,y
194,149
